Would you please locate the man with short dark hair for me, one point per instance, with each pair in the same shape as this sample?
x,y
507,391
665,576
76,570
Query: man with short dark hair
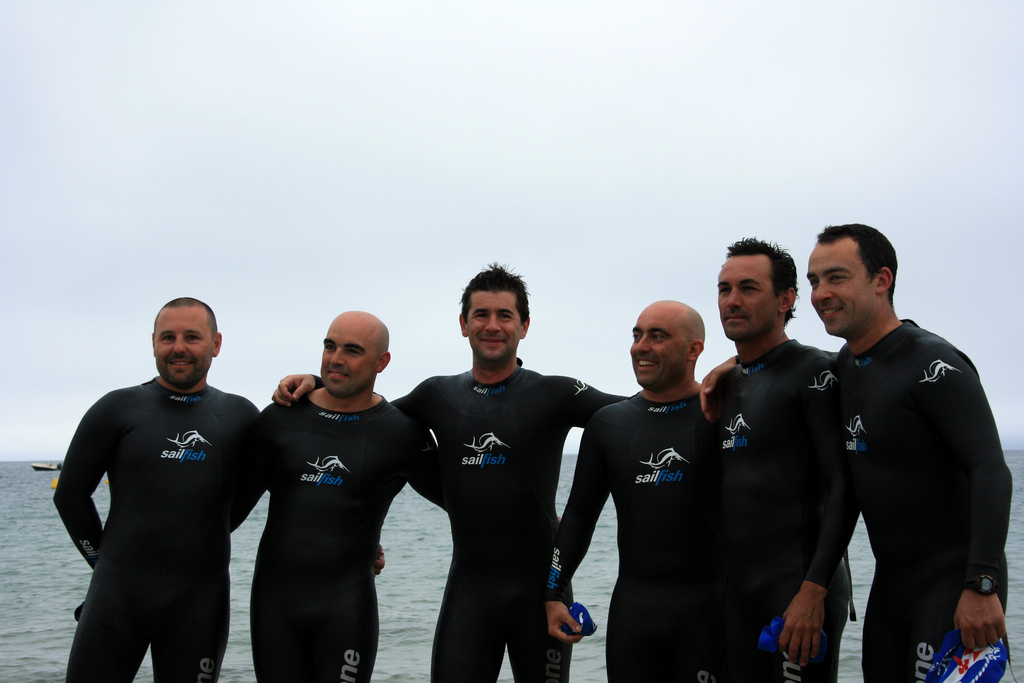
x,y
171,449
500,431
788,504
656,456
332,464
927,464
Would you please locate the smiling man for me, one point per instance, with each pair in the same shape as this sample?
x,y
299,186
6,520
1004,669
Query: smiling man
x,y
500,432
927,464
655,454
788,502
332,464
171,449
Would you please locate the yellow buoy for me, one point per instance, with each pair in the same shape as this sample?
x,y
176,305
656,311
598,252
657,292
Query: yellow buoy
x,y
54,484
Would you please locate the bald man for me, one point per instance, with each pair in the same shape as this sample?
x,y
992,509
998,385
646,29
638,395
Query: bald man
x,y
655,455
332,464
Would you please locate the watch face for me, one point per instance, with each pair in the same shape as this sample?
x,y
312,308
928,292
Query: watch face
x,y
986,584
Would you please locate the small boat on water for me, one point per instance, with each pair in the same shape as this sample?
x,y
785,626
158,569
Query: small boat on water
x,y
46,466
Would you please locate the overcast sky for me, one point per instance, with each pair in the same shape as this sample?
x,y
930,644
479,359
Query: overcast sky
x,y
288,162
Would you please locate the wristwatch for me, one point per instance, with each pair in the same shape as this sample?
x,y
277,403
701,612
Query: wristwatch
x,y
985,585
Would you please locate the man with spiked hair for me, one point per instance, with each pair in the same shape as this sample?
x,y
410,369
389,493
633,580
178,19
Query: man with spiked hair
x,y
171,449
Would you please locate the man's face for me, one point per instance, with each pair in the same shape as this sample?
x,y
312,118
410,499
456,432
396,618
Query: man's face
x,y
184,346
659,351
352,357
844,295
493,328
747,303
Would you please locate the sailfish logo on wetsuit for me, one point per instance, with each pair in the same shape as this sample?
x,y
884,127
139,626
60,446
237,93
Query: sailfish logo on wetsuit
x,y
485,451
736,440
324,470
660,464
856,428
937,370
186,447
823,381
581,386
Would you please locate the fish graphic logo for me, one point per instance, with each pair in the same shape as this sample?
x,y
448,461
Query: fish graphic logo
x,y
329,465
937,370
189,440
487,442
664,459
823,381
856,427
581,386
736,423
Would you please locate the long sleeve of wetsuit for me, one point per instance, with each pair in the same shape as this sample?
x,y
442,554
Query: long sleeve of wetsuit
x,y
254,476
590,490
957,408
87,459
424,475
839,511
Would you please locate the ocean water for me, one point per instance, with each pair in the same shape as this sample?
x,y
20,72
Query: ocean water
x,y
43,578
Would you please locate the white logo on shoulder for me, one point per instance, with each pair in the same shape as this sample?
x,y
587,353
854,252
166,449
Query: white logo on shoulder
x,y
937,370
581,386
823,381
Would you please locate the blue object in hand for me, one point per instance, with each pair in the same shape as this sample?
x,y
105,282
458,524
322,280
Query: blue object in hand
x,y
582,617
769,639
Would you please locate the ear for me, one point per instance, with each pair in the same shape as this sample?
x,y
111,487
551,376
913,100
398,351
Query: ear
x,y
216,344
787,300
526,326
462,324
884,280
383,361
696,347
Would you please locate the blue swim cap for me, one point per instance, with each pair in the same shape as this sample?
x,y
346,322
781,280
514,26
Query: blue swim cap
x,y
582,616
769,639
957,664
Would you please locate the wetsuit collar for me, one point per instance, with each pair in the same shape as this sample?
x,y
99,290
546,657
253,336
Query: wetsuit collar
x,y
883,344
766,358
176,396
482,389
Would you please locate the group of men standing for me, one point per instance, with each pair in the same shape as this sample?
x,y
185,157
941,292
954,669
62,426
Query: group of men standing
x,y
722,525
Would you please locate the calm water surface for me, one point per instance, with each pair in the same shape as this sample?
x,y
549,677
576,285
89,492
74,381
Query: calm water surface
x,y
43,579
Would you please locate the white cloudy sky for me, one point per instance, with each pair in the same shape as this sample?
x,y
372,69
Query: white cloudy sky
x,y
288,162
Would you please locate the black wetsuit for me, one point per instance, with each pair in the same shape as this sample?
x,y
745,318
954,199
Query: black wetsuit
x,y
161,559
332,477
933,487
500,449
660,464
788,504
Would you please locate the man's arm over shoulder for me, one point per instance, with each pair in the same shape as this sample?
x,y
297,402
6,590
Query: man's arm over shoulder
x,y
582,400
839,514
423,472
254,469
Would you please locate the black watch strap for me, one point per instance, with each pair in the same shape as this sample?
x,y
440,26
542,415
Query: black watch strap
x,y
985,585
